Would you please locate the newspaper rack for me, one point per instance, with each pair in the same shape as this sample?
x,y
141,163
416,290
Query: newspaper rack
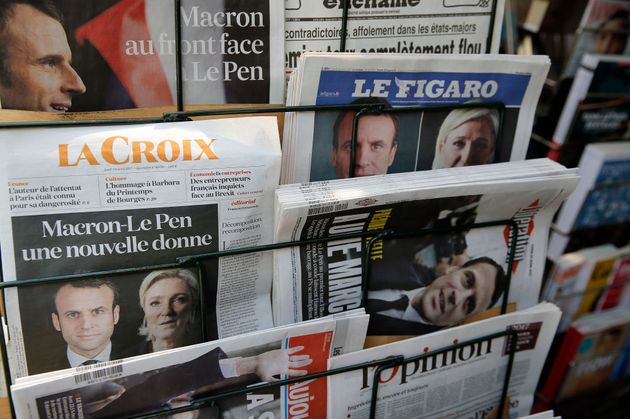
x,y
372,236
381,364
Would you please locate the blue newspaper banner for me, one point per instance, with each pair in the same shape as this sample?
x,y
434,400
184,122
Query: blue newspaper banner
x,y
419,88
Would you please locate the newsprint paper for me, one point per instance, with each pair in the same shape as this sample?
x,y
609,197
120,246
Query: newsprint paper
x,y
420,283
176,377
122,53
408,26
316,145
92,199
464,382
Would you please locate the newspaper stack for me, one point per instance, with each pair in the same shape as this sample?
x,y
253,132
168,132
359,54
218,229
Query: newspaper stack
x,y
411,27
418,283
83,200
177,377
316,145
465,381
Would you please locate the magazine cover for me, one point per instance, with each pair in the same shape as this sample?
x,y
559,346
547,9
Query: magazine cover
x,y
501,92
604,29
595,360
84,200
603,194
178,377
419,283
588,355
411,26
464,381
596,120
119,54
601,79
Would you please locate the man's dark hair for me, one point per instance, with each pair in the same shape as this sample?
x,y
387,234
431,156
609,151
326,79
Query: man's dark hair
x,y
366,101
47,7
499,283
86,283
620,14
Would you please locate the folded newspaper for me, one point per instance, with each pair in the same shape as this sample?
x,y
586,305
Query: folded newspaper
x,y
463,381
418,280
410,27
82,200
500,92
175,378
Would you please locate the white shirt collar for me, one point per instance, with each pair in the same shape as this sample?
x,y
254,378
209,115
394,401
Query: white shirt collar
x,y
76,360
411,314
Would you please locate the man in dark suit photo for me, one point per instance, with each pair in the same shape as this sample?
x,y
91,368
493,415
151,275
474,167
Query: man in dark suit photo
x,y
410,299
177,385
85,312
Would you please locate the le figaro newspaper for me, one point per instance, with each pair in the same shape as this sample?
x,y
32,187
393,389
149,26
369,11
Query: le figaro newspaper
x,y
91,199
497,92
408,26
439,264
175,378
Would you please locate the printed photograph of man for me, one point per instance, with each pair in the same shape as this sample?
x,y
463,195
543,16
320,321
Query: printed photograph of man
x,y
211,372
85,312
377,141
409,295
612,35
607,31
467,137
36,72
386,142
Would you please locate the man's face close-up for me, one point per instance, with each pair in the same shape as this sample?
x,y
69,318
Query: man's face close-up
x,y
457,295
38,57
612,38
86,318
375,150
470,144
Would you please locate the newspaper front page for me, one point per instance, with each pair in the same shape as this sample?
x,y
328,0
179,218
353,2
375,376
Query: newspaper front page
x,y
121,54
410,26
462,382
435,279
93,199
176,378
501,90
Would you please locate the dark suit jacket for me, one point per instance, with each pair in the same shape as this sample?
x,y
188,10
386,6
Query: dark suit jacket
x,y
59,360
398,273
153,389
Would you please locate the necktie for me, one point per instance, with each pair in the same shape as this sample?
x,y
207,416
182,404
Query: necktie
x,y
90,362
381,305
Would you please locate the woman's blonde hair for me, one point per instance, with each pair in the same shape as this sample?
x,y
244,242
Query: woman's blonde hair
x,y
185,275
456,118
